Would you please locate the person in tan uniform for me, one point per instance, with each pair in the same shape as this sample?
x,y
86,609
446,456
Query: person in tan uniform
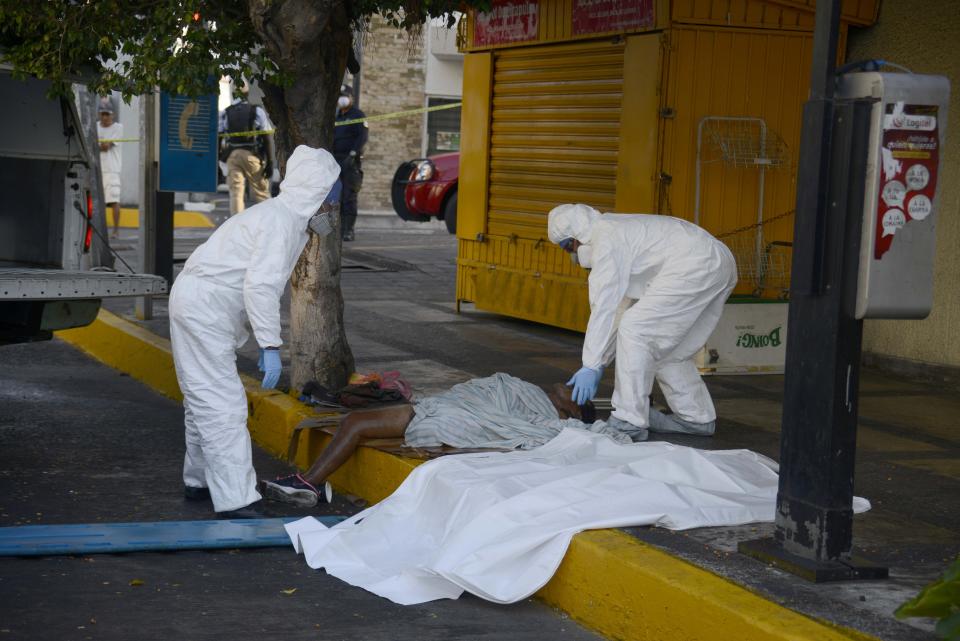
x,y
247,157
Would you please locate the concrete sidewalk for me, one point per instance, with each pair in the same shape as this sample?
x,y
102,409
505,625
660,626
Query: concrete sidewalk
x,y
400,315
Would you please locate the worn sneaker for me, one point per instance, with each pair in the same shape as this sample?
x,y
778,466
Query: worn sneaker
x,y
294,489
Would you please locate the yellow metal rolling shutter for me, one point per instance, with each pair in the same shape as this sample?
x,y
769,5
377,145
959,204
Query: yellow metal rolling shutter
x,y
556,117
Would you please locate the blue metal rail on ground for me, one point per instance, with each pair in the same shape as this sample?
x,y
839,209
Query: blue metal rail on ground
x,y
111,538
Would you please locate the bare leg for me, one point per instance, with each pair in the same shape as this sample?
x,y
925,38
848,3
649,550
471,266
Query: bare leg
x,y
387,422
116,218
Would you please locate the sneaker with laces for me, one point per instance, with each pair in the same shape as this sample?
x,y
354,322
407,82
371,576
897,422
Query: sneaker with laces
x,y
296,490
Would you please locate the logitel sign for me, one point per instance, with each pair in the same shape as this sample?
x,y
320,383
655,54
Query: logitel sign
x,y
910,149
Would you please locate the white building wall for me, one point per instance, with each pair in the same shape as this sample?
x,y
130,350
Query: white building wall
x,y
129,117
444,62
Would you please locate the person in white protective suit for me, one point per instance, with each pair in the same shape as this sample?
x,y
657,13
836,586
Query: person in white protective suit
x,y
239,274
657,289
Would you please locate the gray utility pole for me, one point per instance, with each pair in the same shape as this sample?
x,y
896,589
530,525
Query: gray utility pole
x,y
148,187
155,241
814,519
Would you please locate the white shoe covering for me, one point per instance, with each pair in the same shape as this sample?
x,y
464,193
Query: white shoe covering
x,y
672,424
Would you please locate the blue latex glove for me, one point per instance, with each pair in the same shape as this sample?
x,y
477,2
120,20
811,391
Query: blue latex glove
x,y
271,367
585,383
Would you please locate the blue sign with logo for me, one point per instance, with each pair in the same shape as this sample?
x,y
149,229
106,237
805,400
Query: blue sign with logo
x,y
188,143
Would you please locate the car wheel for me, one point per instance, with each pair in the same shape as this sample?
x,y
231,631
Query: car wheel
x,y
398,189
450,213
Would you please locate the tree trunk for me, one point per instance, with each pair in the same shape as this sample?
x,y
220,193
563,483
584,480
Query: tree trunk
x,y
310,41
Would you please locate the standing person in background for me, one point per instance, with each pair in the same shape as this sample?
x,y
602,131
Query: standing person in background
x,y
348,143
247,157
107,131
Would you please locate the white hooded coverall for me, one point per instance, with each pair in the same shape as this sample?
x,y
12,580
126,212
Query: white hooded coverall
x,y
239,273
679,275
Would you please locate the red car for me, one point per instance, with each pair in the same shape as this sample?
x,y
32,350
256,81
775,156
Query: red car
x,y
427,187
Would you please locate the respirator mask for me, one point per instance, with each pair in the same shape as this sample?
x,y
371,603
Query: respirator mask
x,y
343,102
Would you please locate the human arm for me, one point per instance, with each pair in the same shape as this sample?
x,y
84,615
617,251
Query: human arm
x,y
261,122
359,134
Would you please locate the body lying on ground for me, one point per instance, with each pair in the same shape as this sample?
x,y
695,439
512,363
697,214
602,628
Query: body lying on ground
x,y
499,411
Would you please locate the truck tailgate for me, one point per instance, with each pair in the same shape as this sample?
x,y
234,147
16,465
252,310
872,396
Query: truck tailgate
x,y
17,283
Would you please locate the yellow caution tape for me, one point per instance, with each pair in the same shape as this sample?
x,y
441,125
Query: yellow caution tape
x,y
340,123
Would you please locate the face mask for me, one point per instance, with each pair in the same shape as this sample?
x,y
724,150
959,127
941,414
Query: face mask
x,y
343,102
320,222
585,256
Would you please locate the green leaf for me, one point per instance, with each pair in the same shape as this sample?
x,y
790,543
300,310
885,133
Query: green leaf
x,y
949,628
940,599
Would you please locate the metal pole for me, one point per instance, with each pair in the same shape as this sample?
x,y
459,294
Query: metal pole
x,y
148,204
814,519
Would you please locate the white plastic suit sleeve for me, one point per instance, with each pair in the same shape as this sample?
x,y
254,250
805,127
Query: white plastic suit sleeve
x,y
608,284
610,351
264,282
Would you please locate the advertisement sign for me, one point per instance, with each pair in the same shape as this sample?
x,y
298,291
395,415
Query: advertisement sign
x,y
910,152
188,143
602,16
751,338
507,21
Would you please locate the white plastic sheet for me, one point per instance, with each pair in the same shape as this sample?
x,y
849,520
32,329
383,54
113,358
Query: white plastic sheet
x,y
498,524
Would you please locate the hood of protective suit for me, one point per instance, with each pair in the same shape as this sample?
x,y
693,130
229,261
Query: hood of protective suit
x,y
571,221
310,175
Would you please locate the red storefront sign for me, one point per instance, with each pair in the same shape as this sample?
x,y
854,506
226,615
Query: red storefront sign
x,y
507,21
910,151
602,16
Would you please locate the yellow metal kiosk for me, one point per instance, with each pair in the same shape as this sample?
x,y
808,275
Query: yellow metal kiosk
x,y
689,108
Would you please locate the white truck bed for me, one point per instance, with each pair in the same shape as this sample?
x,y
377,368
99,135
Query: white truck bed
x,y
17,283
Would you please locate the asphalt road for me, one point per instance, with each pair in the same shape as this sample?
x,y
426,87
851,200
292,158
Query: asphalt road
x,y
81,443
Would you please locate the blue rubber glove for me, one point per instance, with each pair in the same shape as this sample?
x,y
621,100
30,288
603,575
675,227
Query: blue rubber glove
x,y
585,383
271,368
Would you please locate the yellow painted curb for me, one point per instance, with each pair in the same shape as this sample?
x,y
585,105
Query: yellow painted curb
x,y
130,219
608,580
627,589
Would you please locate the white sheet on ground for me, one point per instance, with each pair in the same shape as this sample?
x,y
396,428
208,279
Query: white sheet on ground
x,y
498,524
